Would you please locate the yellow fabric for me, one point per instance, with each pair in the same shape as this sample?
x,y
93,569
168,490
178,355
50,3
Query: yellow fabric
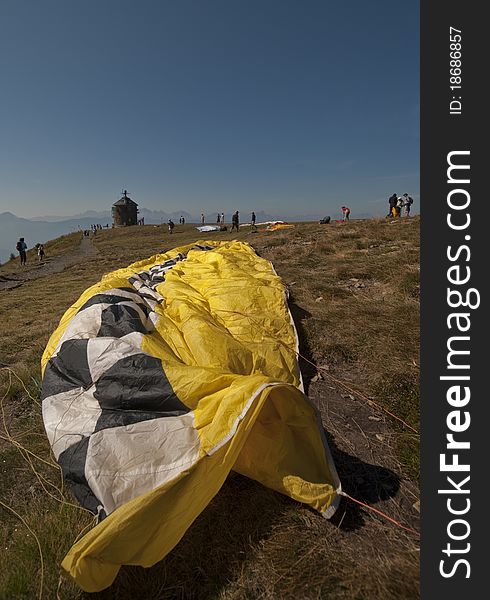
x,y
228,347
280,226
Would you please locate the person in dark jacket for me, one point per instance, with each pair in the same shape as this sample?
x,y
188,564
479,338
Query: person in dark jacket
x,y
392,202
234,221
21,248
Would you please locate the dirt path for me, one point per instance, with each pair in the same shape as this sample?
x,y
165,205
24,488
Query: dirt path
x,y
15,279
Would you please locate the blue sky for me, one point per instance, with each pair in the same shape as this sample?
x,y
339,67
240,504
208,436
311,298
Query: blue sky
x,y
292,107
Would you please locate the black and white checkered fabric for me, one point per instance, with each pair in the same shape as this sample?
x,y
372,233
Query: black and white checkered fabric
x,y
108,406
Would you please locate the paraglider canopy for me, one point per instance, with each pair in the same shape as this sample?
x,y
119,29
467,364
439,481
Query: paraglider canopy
x,y
161,379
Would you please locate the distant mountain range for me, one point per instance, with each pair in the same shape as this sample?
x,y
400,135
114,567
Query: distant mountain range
x,y
151,217
42,229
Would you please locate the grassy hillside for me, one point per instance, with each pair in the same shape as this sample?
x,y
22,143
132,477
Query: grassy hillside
x,y
354,292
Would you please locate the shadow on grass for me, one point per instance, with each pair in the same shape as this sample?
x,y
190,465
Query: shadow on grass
x,y
307,369
363,481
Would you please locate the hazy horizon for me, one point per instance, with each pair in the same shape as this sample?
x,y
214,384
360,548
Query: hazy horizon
x,y
41,230
281,106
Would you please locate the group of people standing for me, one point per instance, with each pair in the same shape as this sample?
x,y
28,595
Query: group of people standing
x,y
235,220
98,227
398,203
220,220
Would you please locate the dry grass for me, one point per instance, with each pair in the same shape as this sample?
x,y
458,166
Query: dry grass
x,y
354,296
55,248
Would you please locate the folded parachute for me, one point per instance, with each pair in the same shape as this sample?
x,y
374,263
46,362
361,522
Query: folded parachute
x,y
162,378
276,226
